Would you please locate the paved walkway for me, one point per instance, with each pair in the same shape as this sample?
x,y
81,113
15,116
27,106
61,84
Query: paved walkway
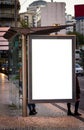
x,y
49,116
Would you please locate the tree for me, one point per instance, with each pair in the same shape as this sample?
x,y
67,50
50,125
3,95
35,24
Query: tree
x,y
79,38
82,57
24,23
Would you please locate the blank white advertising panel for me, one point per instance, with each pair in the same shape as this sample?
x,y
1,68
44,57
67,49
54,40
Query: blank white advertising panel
x,y
51,68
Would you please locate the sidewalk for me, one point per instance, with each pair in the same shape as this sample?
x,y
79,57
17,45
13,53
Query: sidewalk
x,y
49,116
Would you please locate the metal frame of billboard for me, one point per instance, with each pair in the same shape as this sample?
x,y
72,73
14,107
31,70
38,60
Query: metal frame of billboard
x,y
33,84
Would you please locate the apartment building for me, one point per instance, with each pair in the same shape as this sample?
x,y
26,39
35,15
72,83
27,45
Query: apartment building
x,y
53,14
70,20
31,12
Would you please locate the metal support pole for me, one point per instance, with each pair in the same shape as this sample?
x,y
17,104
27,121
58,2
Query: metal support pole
x,y
24,78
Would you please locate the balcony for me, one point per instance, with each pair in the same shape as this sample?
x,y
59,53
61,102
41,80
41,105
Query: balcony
x,y
7,16
9,4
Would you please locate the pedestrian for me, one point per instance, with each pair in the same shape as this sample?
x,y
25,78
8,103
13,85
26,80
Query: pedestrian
x,y
32,109
76,113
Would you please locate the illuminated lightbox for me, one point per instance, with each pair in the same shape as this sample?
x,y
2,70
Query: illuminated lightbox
x,y
51,69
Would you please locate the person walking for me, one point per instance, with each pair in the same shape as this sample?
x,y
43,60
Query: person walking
x,y
76,113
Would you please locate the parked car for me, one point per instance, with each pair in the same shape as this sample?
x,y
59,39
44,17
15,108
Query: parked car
x,y
79,70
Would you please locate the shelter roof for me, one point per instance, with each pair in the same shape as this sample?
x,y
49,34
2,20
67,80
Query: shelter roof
x,y
45,30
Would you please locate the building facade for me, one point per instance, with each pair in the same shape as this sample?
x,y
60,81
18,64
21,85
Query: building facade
x,y
70,20
79,16
42,13
9,17
9,13
32,10
53,14
27,19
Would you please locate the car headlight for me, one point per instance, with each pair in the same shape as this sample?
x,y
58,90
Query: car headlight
x,y
3,68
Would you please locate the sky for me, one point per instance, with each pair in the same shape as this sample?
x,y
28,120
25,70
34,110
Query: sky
x,y
69,4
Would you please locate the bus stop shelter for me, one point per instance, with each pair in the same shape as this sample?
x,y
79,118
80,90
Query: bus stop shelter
x,y
25,33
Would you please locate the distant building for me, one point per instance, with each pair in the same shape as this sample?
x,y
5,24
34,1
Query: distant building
x,y
70,20
28,18
33,7
53,14
79,16
38,3
29,15
42,13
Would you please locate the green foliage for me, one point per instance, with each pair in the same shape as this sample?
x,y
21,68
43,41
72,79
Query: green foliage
x,y
79,37
79,42
24,24
82,57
